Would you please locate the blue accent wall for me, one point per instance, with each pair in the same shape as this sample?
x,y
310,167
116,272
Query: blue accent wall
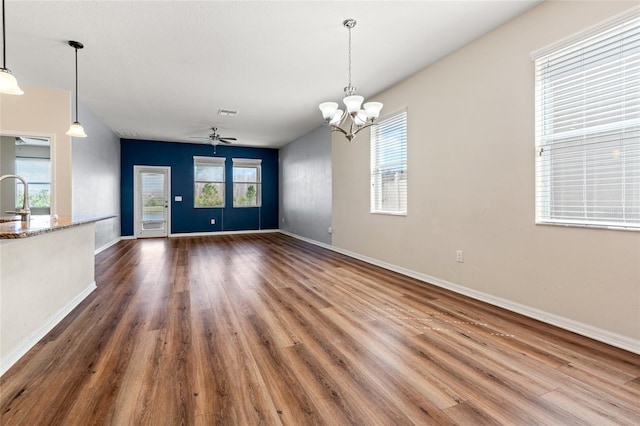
x,y
185,217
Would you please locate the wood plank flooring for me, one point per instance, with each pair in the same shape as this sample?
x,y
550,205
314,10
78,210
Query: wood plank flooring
x,y
267,329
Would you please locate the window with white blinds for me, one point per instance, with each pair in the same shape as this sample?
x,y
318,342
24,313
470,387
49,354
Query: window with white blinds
x,y
389,165
208,177
588,129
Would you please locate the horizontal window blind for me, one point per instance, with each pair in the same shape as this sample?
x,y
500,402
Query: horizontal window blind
x,y
389,165
209,178
588,130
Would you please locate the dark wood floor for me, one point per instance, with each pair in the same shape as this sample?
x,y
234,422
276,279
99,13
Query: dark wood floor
x,y
267,329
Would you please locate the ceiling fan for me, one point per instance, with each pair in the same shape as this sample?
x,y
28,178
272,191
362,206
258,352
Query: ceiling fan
x,y
214,138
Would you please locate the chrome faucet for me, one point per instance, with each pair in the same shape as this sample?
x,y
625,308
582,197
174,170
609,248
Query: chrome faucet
x,y
25,212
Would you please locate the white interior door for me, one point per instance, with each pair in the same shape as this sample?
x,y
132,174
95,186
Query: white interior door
x,y
152,209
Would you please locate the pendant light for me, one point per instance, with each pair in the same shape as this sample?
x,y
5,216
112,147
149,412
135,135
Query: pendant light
x,y
76,129
362,116
8,83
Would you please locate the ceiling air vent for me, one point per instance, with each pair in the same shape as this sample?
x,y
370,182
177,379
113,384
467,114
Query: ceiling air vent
x,y
127,134
227,112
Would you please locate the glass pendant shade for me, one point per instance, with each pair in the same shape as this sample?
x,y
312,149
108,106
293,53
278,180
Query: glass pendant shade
x,y
328,110
76,130
8,83
372,109
337,117
361,118
353,103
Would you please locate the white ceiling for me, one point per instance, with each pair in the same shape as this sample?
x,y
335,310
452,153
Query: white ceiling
x,y
161,70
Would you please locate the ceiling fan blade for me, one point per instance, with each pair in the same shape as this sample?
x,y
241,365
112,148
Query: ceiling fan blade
x,y
226,140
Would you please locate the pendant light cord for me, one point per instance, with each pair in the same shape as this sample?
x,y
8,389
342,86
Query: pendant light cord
x,y
4,38
76,49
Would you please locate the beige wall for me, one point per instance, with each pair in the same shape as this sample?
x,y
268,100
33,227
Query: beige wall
x,y
471,185
44,112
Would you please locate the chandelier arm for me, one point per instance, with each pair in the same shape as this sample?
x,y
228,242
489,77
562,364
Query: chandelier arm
x,y
364,127
343,118
335,128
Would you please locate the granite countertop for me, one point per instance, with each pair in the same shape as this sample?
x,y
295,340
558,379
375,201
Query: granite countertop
x,y
11,227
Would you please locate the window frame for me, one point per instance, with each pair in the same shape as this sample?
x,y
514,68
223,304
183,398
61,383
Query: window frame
x,y
217,161
248,163
394,119
561,148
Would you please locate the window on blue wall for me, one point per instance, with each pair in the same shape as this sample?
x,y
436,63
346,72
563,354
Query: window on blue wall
x,y
588,128
247,182
208,175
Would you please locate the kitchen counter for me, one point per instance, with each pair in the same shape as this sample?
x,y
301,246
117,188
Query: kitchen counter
x,y
11,227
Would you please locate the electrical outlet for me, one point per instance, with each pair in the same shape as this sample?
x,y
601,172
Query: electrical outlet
x,y
213,221
459,257
330,230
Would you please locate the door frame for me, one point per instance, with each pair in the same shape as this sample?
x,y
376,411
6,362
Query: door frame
x,y
137,200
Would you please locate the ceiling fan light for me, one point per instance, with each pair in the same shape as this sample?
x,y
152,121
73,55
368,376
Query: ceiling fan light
x,y
8,83
353,103
373,109
328,109
76,130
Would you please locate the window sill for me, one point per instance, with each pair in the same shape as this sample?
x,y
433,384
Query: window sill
x,y
404,214
592,226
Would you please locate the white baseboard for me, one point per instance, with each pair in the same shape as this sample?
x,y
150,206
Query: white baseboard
x,y
31,340
106,246
206,234
599,334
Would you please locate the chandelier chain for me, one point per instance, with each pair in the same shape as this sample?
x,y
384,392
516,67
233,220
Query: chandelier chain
x,y
349,56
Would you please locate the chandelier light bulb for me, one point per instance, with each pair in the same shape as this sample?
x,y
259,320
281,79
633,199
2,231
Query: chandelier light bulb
x,y
353,103
372,109
328,109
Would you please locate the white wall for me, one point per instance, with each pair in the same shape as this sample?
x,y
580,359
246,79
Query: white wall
x,y
96,176
42,278
305,185
471,187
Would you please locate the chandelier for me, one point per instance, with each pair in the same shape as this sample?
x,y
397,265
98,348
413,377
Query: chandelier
x,y
361,116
